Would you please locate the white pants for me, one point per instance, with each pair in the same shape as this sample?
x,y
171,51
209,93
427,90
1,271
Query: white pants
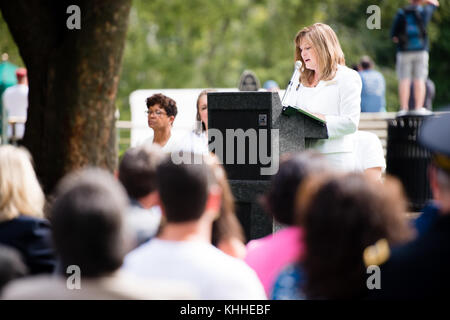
x,y
342,161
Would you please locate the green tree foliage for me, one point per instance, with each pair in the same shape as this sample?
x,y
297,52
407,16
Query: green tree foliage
x,y
204,43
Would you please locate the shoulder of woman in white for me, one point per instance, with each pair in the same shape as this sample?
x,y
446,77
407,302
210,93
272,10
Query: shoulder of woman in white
x,y
330,82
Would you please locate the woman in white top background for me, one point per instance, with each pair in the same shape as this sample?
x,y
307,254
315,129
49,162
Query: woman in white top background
x,y
330,91
161,112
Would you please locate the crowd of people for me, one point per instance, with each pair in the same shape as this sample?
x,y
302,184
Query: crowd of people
x,y
162,230
165,229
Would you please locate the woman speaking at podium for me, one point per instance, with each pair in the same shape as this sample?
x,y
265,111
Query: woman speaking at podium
x,y
329,90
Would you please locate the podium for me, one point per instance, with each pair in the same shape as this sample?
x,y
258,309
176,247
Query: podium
x,y
249,131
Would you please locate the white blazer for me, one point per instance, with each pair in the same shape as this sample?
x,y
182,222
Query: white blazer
x,y
339,100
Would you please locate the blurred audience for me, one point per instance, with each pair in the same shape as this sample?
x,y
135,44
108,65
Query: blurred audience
x,y
137,173
88,234
190,200
22,222
269,255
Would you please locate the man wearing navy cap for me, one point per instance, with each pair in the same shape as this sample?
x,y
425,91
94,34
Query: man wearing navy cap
x,y
421,269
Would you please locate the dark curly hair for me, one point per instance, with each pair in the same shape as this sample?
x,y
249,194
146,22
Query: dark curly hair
x,y
166,103
346,214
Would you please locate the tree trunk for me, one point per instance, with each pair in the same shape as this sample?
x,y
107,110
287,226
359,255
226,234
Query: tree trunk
x,y
73,79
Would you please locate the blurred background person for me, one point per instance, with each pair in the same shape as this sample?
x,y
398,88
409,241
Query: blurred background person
x,y
373,93
137,173
269,255
430,93
271,85
190,200
197,141
409,32
329,90
249,81
11,266
15,101
22,222
89,234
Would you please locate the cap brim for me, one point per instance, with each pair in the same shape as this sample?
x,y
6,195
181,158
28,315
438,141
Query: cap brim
x,y
434,134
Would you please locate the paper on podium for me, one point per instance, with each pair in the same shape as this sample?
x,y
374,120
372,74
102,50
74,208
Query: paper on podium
x,y
289,111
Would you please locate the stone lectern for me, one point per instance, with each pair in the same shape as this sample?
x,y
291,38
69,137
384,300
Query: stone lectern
x,y
249,131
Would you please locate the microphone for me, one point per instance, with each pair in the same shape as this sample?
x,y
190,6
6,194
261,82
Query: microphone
x,y
298,65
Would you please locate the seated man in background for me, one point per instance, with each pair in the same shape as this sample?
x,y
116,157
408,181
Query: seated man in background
x,y
88,234
373,87
190,200
137,173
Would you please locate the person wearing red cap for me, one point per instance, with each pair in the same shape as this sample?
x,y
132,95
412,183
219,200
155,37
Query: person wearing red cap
x,y
15,101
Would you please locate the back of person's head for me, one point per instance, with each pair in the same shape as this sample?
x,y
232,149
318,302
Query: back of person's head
x,y
280,198
87,222
168,104
11,265
366,63
443,179
344,215
184,188
20,191
249,81
137,170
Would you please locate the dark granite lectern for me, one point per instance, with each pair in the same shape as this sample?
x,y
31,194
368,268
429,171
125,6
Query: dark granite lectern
x,y
249,131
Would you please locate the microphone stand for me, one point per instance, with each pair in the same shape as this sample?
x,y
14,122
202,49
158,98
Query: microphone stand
x,y
291,82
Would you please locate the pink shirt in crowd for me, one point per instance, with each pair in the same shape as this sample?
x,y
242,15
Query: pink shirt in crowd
x,y
269,255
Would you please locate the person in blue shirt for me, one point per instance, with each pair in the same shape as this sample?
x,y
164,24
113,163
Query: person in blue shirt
x,y
373,91
409,32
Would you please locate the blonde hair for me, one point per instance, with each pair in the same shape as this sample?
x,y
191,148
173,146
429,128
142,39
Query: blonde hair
x,y
20,191
326,45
